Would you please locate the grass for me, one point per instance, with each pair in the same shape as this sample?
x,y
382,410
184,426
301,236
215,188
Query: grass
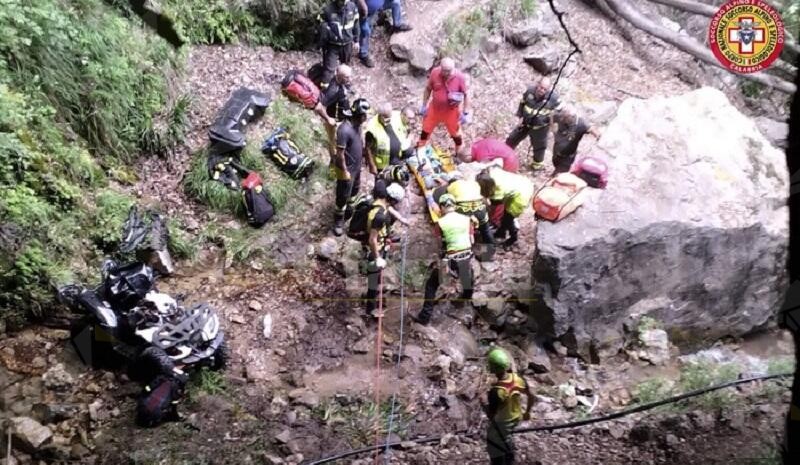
x,y
693,376
780,365
206,382
361,422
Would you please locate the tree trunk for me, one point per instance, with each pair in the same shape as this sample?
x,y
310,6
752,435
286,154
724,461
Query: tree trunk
x,y
704,9
689,45
792,439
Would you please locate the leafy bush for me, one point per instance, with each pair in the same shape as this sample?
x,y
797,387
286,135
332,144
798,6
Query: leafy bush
x,y
80,90
101,74
214,21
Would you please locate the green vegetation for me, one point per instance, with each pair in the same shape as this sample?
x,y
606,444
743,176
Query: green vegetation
x,y
780,365
82,91
206,382
693,376
790,12
283,25
465,30
647,323
360,422
751,89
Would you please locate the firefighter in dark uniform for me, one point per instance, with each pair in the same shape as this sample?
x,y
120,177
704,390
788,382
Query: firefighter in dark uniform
x,y
339,36
536,111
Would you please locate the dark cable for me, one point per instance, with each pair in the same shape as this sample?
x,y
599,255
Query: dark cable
x,y
572,424
575,49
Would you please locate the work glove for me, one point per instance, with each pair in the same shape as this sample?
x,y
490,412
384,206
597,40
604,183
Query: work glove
x,y
423,110
380,263
465,118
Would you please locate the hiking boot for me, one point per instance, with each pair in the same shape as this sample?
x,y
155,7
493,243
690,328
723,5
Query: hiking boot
x,y
421,318
401,28
367,61
537,165
509,243
338,227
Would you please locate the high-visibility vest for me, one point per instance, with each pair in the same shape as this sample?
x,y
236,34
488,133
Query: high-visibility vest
x,y
456,231
467,194
510,390
383,144
507,185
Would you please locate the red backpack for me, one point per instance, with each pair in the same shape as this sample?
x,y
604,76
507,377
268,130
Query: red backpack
x,y
299,88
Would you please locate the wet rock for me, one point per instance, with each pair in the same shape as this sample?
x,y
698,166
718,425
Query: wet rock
x,y
57,378
592,268
254,305
569,402
38,362
237,318
29,435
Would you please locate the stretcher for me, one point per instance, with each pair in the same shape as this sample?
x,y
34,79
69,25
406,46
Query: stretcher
x,y
438,162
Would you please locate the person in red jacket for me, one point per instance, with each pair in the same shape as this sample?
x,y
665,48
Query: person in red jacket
x,y
488,149
445,102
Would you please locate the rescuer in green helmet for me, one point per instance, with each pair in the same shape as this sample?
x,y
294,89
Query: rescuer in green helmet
x,y
504,407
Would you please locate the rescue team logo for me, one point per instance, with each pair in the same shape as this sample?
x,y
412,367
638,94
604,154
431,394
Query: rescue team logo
x,y
746,36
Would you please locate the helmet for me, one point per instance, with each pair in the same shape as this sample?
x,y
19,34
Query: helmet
x,y
447,200
396,192
360,107
498,359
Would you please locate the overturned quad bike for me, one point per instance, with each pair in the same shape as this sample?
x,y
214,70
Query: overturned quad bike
x,y
126,322
125,315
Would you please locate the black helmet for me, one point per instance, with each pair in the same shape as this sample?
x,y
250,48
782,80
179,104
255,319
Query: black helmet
x,y
360,107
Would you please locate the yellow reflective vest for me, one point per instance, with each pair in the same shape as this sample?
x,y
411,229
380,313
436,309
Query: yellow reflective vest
x,y
514,190
456,231
509,391
383,144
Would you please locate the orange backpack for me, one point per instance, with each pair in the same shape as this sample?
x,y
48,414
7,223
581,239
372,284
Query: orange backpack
x,y
559,197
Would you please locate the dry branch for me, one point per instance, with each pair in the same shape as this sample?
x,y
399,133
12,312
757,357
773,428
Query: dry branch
x,y
689,45
707,10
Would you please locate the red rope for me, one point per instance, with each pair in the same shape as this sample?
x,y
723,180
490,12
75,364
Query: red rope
x,y
378,345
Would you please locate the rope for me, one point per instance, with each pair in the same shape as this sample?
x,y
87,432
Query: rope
x,y
400,342
572,424
575,49
378,345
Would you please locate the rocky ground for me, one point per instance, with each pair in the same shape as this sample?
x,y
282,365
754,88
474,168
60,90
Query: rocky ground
x,y
307,389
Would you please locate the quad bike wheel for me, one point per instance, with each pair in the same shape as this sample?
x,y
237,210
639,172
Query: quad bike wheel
x,y
219,361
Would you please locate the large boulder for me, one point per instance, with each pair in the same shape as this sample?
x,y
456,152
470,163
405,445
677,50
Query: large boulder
x,y
692,231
